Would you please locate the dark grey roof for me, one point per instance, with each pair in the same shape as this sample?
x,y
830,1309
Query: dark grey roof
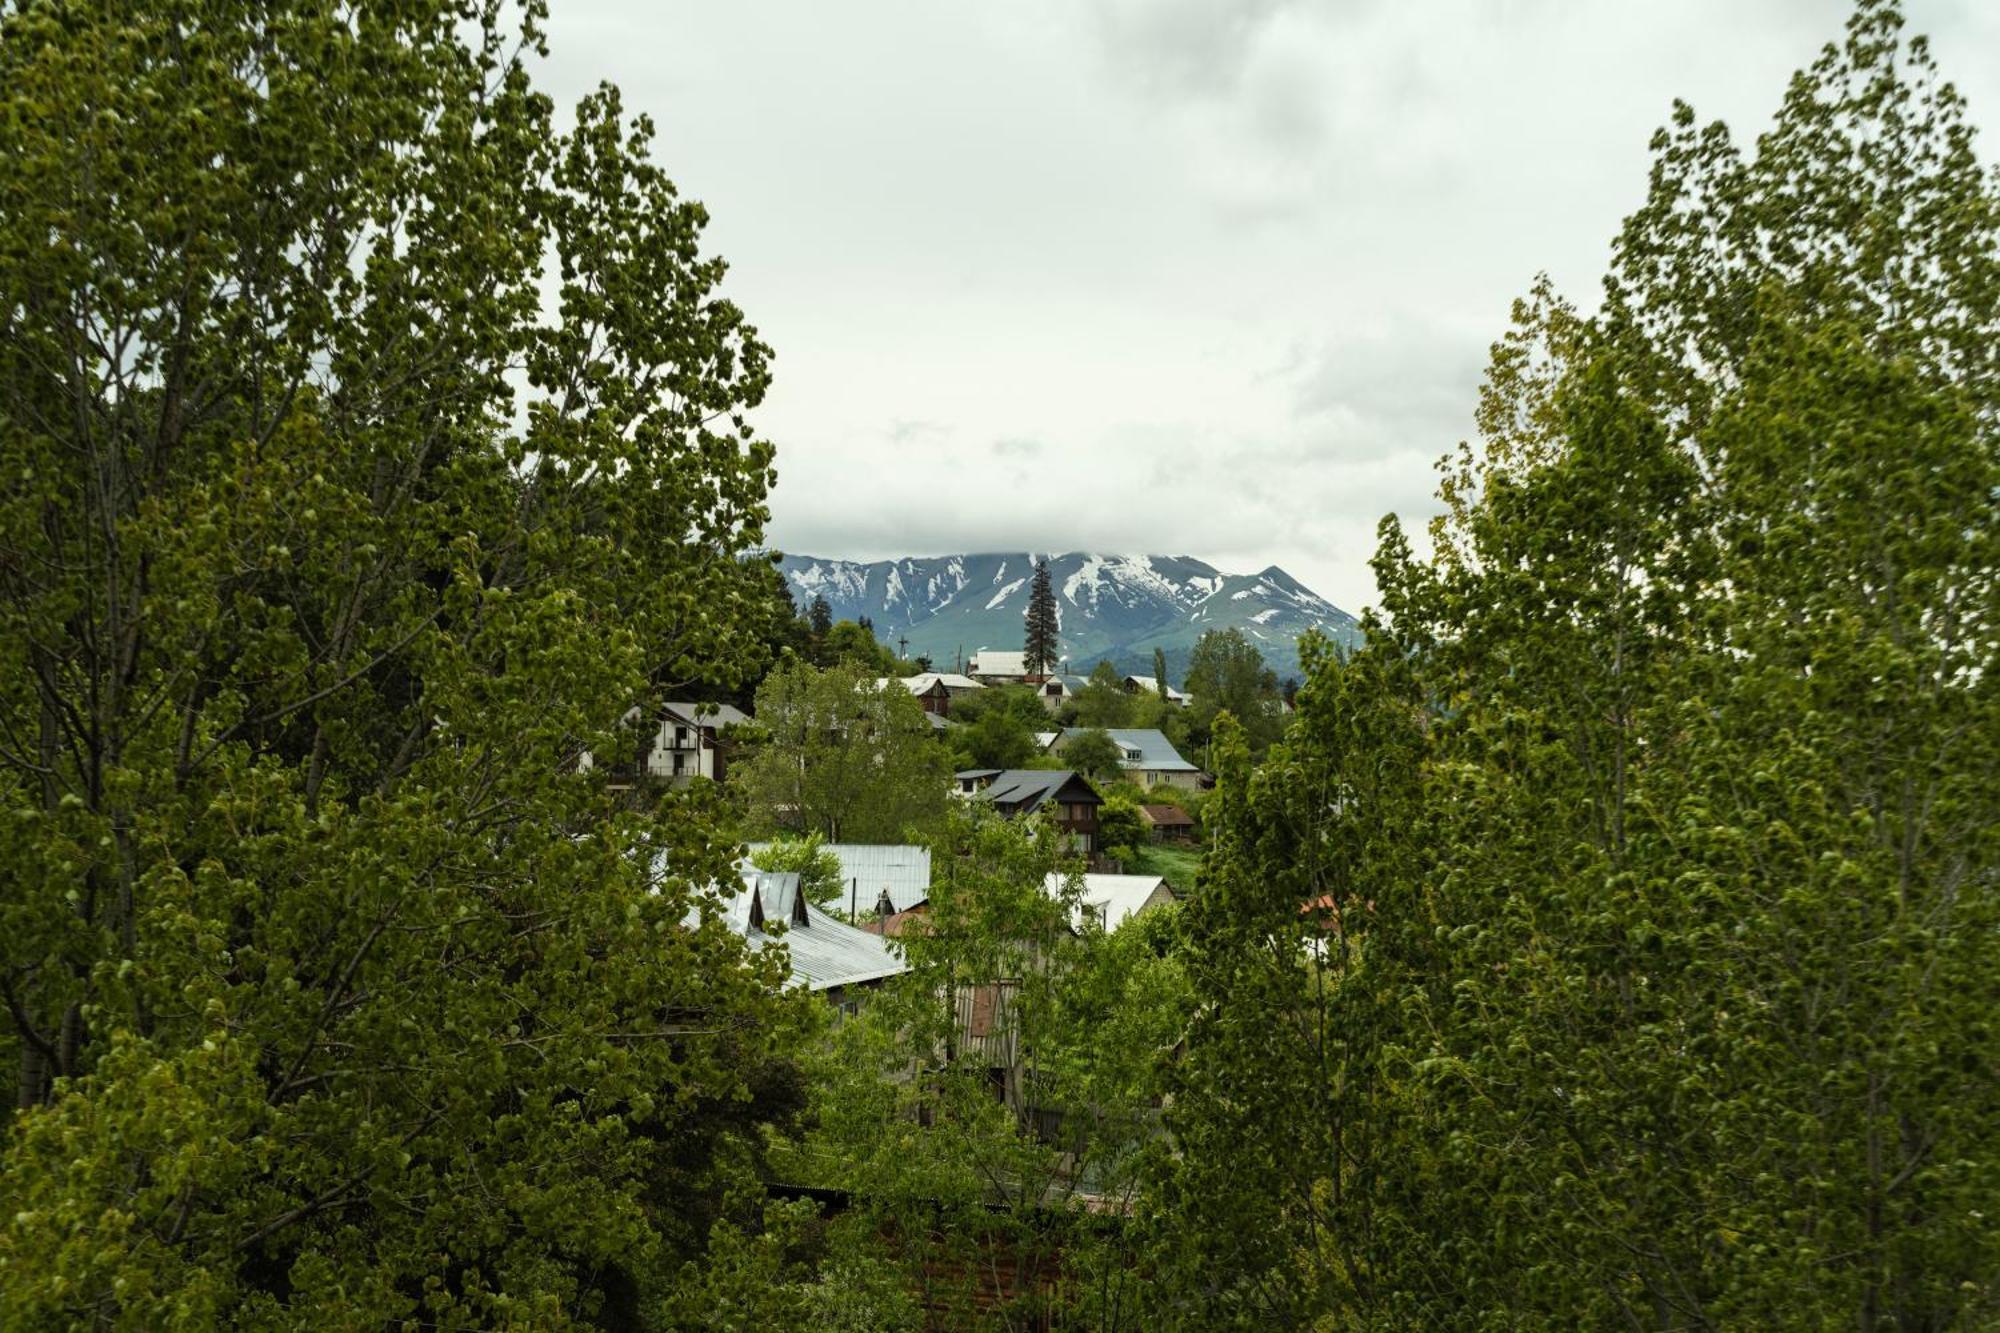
x,y
1156,752
1026,788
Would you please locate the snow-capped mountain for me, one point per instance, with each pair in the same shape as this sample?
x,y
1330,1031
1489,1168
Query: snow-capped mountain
x,y
1119,607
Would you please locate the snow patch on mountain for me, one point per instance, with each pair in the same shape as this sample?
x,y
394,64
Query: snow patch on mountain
x,y
1087,578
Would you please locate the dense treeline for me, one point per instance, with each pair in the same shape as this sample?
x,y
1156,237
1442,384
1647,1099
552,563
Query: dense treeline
x,y
1650,843
1608,942
336,996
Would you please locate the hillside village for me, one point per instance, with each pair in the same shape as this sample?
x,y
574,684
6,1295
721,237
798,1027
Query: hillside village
x,y
455,874
854,771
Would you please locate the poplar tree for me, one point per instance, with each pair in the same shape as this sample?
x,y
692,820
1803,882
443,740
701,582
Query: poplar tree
x,y
1043,648
1648,851
371,450
843,755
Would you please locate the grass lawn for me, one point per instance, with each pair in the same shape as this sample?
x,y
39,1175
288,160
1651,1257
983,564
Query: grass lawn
x,y
1177,865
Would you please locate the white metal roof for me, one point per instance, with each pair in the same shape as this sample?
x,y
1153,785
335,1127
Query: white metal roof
x,y
825,952
1116,899
993,662
952,681
1152,685
867,869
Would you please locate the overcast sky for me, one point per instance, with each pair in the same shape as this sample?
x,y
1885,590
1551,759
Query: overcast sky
x,y
1188,277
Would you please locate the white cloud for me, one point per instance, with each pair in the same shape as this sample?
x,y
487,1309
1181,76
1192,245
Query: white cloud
x,y
1174,275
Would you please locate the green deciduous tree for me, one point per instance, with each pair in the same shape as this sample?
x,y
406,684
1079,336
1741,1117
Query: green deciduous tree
x,y
335,995
848,641
841,756
817,868
989,1109
1103,701
1119,827
997,727
1094,754
1226,673
1658,817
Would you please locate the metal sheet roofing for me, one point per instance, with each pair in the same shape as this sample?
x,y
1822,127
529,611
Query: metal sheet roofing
x,y
1151,685
1116,899
825,951
1025,788
707,715
994,662
951,680
1156,753
870,869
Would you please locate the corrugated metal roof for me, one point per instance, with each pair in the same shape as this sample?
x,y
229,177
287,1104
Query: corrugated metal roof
x,y
707,715
951,680
902,870
1116,899
1027,788
1156,752
1151,685
825,952
994,662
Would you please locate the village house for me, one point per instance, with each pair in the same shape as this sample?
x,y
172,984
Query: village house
x,y
1060,688
935,689
828,956
1109,901
692,742
1069,798
1146,756
986,1033
1150,685
872,872
1167,823
993,666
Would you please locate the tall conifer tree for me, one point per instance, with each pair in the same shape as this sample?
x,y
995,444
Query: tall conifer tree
x,y
1043,649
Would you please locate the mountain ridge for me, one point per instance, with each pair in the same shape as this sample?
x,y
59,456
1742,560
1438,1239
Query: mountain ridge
x,y
1113,607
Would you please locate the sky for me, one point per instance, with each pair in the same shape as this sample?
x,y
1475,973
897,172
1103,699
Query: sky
x,y
1190,277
